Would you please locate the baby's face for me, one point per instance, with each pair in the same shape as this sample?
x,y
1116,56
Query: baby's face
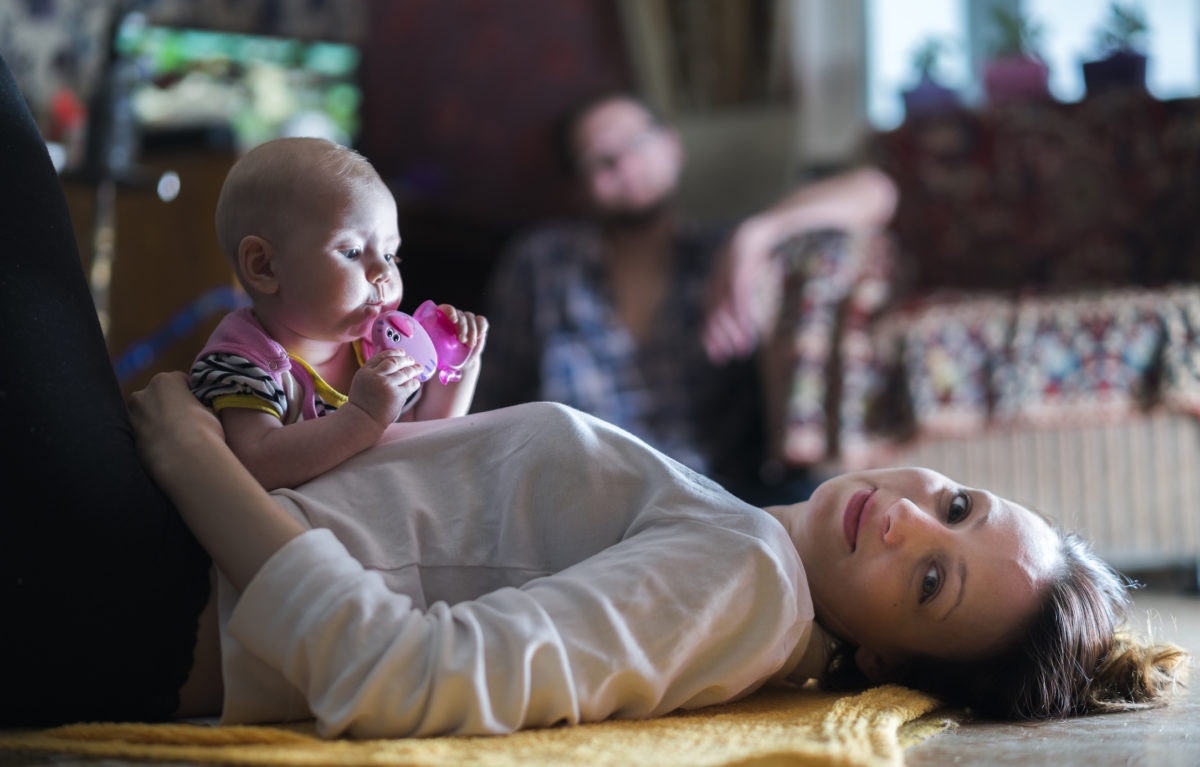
x,y
336,263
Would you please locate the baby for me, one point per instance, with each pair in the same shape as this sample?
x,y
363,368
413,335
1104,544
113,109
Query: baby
x,y
312,232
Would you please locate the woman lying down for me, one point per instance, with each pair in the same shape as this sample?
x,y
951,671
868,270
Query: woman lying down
x,y
533,566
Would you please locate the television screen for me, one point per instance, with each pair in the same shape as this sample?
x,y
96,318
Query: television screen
x,y
261,87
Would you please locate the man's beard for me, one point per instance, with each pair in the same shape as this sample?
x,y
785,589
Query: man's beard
x,y
642,218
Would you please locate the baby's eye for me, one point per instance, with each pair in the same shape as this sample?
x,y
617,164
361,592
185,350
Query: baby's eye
x,y
391,258
960,507
930,583
351,253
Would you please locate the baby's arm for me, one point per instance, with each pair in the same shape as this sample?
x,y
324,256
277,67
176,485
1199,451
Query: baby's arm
x,y
280,455
440,400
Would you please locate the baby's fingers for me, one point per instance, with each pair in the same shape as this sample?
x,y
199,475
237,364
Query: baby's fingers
x,y
384,383
388,361
477,332
397,368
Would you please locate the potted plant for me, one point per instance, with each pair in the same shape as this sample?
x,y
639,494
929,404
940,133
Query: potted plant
x,y
928,96
1120,41
1015,72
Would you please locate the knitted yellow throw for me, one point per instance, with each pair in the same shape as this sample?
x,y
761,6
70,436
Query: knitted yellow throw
x,y
772,727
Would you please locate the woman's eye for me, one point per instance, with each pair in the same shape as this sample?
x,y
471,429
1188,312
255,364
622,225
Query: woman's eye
x,y
351,253
930,583
960,507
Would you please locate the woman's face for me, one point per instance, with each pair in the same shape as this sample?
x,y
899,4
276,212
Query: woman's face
x,y
907,563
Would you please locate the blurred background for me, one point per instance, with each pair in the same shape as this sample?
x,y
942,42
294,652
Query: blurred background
x,y
1043,151
145,105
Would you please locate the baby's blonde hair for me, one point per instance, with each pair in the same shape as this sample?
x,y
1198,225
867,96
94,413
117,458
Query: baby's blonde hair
x,y
275,179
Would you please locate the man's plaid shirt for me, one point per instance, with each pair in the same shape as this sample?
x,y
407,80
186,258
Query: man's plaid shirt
x,y
554,336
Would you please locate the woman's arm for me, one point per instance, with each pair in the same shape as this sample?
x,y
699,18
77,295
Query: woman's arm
x,y
865,197
654,623
182,444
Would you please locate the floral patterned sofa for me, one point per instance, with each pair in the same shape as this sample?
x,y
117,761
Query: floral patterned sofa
x,y
1030,323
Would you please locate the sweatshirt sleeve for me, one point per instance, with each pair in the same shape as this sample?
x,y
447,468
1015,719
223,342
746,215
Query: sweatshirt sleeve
x,y
671,617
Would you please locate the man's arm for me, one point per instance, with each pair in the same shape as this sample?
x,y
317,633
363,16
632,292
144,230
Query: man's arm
x,y
864,198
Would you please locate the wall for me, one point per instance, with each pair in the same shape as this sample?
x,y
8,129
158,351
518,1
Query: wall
x,y
159,280
461,97
765,92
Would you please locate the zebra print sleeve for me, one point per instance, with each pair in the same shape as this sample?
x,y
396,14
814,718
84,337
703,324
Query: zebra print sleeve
x,y
222,379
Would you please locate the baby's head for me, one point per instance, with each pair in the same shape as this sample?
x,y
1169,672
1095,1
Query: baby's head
x,y
281,182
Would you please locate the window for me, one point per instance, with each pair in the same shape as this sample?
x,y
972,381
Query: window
x,y
1172,70
895,29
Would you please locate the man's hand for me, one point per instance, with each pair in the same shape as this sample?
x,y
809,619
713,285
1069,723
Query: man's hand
x,y
743,294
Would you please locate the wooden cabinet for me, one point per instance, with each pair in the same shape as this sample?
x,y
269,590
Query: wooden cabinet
x,y
165,257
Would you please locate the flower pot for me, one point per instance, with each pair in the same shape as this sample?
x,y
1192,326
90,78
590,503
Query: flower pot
x,y
929,97
1016,79
1120,69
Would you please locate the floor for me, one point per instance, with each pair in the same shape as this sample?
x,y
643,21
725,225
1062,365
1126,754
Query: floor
x,y
1168,737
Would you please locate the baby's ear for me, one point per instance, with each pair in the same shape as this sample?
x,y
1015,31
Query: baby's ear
x,y
254,262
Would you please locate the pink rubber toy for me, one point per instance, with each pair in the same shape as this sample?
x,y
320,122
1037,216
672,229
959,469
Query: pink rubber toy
x,y
428,336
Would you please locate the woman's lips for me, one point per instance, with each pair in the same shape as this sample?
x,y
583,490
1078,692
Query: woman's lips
x,y
852,516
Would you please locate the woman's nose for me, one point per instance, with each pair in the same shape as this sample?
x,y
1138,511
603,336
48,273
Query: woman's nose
x,y
905,521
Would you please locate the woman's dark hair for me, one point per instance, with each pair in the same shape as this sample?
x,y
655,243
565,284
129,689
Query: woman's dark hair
x,y
1076,657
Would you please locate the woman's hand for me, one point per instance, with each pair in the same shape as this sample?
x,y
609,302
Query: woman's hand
x,y
166,416
183,445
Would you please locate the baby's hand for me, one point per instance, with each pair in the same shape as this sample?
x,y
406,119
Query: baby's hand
x,y
472,329
384,383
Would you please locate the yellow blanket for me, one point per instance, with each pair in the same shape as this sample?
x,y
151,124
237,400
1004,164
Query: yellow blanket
x,y
771,727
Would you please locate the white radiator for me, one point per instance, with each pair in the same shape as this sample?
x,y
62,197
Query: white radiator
x,y
1132,489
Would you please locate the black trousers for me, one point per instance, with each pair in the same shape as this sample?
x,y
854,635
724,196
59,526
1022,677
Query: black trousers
x,y
100,582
